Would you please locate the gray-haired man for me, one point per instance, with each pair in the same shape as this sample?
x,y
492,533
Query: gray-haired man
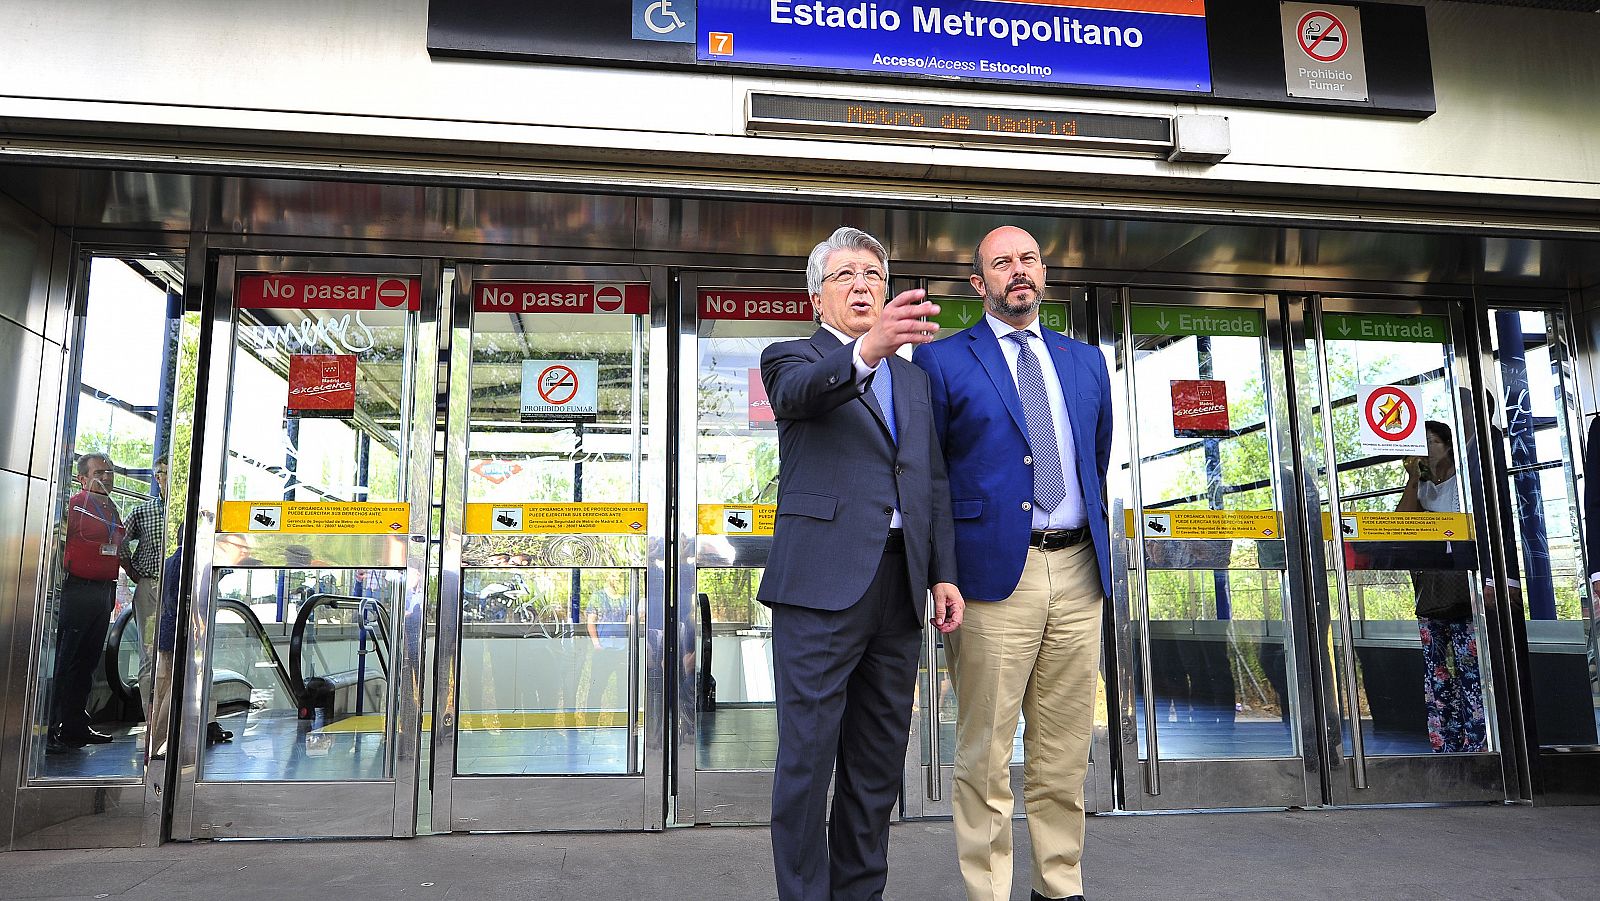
x,y
863,531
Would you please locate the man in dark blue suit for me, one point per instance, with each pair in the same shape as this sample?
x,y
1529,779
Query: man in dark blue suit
x,y
1024,417
863,531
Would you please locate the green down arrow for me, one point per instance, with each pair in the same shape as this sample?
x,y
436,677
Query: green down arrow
x,y
962,312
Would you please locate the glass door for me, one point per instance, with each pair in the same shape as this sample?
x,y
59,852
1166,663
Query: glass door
x,y
1527,364
552,648
1208,638
1394,446
302,704
728,452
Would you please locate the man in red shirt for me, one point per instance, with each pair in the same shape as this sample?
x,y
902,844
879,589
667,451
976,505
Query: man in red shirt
x,y
93,558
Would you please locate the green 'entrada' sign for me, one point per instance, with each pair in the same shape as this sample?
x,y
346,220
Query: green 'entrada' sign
x,y
1381,327
1214,321
962,312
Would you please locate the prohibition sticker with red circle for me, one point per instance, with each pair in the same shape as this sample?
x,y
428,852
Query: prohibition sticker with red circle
x,y
560,389
1389,420
1322,36
557,385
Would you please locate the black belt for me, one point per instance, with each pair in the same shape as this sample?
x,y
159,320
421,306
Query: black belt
x,y
896,542
1056,539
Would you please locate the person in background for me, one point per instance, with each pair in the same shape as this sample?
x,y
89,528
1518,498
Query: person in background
x,y
141,560
93,556
1451,683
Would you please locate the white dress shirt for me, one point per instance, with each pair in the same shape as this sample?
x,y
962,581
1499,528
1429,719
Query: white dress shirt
x,y
862,371
1069,514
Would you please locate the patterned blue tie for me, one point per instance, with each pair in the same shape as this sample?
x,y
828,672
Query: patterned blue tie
x,y
883,390
1049,488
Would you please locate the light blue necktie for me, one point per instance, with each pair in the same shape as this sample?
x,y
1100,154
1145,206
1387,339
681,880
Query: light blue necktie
x,y
1049,487
883,390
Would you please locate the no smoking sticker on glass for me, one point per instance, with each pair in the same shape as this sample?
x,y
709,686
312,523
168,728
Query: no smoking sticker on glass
x,y
560,390
1390,420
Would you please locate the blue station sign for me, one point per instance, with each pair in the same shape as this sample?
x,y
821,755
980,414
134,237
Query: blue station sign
x,y
1157,45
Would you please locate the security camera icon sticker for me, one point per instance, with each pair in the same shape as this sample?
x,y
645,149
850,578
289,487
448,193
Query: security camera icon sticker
x,y
738,520
507,519
266,519
1157,525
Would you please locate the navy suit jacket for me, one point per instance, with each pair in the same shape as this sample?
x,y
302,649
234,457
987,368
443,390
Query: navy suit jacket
x,y
984,434
840,476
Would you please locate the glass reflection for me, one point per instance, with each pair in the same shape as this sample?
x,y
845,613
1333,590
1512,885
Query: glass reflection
x,y
100,697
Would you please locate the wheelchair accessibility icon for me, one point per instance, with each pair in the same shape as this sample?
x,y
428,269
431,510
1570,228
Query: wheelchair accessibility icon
x,y
663,20
660,18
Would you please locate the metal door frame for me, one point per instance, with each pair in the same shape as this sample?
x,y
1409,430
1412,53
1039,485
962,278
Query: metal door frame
x,y
1359,778
1225,782
556,802
269,809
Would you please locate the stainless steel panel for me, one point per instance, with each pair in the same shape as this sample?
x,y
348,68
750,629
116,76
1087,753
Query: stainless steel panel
x,y
275,549
1187,784
293,810
557,550
17,614
26,244
1566,777
734,798
47,418
548,804
110,816
21,354
1456,777
447,664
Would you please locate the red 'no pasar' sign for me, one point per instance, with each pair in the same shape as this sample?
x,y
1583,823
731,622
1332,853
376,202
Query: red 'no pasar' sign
x,y
319,291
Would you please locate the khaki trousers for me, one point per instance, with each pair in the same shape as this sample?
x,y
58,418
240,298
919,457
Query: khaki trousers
x,y
1038,653
155,693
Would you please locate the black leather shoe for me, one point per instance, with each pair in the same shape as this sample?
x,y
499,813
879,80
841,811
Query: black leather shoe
x,y
86,737
1035,896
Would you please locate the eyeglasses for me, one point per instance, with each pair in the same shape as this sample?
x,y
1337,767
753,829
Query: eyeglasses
x,y
848,276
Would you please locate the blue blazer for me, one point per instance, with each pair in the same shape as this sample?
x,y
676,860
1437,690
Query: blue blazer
x,y
840,477
980,424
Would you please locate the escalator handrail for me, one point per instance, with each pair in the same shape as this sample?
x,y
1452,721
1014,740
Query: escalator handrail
x,y
298,637
120,686
250,618
128,693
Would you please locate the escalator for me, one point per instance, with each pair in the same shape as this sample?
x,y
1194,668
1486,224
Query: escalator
x,y
248,672
339,656
338,661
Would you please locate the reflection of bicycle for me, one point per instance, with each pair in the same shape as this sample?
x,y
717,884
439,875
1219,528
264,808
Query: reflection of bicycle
x,y
662,8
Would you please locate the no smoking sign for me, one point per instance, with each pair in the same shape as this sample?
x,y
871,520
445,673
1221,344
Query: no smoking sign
x,y
1391,416
1322,36
560,390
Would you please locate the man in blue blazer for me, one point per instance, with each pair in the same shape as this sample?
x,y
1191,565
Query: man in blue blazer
x,y
1024,417
863,531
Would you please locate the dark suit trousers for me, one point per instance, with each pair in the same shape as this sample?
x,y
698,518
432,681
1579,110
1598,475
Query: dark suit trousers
x,y
845,681
80,646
